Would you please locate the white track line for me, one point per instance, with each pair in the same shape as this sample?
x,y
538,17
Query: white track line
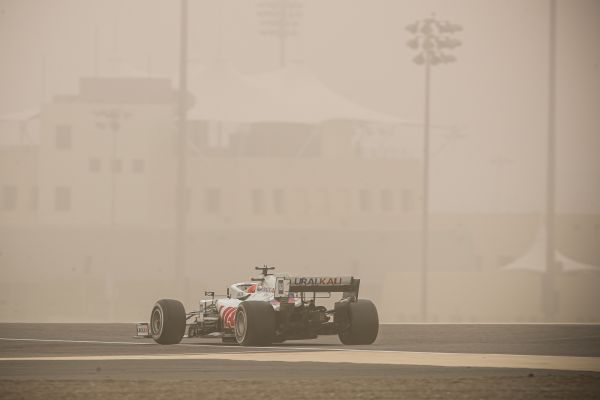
x,y
70,341
195,345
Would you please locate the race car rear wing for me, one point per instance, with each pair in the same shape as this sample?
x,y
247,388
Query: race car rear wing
x,y
346,284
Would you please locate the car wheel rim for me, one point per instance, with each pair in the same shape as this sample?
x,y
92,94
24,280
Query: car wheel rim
x,y
156,321
240,325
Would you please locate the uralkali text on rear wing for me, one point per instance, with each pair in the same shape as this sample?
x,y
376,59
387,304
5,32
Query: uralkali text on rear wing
x,y
316,284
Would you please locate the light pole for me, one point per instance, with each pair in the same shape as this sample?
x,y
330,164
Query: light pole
x,y
181,168
111,120
432,39
279,18
550,297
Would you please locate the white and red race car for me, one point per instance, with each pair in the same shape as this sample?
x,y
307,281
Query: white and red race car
x,y
269,309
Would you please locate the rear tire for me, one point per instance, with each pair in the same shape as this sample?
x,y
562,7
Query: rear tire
x,y
255,323
167,321
363,323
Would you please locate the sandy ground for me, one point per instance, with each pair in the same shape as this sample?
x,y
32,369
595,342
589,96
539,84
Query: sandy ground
x,y
526,387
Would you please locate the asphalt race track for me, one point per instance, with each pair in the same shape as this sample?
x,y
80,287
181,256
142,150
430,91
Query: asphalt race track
x,y
407,361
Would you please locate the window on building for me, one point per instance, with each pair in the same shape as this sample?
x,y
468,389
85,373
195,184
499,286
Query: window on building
x,y
258,201
387,200
212,200
9,197
138,165
62,198
63,137
279,201
364,200
116,165
95,165
407,201
33,198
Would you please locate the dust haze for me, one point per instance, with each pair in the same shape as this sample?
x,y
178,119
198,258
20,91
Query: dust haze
x,y
444,152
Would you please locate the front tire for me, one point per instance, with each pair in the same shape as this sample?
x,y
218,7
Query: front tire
x,y
363,323
255,323
167,321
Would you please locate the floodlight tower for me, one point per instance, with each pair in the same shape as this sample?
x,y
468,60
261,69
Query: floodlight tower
x,y
279,18
181,145
433,40
550,296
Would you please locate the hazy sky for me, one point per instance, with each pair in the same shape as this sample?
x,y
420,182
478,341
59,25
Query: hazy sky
x,y
496,92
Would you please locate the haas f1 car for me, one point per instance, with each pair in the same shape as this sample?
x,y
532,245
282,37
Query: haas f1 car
x,y
269,309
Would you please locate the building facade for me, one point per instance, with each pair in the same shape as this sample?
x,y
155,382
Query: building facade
x,y
88,213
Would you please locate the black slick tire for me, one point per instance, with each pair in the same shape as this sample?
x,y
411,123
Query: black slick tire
x,y
255,323
363,323
167,321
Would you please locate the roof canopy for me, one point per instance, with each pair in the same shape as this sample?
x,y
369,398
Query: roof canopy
x,y
291,94
535,258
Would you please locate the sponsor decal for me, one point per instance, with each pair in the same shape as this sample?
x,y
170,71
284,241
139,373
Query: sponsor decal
x,y
265,289
320,281
142,329
290,300
228,316
283,287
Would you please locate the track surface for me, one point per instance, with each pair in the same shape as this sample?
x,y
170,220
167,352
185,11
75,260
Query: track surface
x,y
97,347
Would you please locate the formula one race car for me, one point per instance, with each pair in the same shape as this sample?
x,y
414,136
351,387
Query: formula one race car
x,y
269,309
